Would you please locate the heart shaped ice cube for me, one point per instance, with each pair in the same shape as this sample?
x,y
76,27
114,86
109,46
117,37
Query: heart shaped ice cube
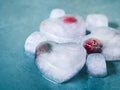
x,y
60,62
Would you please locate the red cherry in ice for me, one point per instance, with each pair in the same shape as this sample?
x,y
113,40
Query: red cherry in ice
x,y
43,48
69,19
93,45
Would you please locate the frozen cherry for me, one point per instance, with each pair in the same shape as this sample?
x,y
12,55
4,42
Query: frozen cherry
x,y
93,45
69,19
43,48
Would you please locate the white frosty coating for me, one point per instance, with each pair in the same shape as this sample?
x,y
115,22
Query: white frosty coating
x,y
96,20
32,41
110,39
96,65
58,31
112,53
62,63
56,13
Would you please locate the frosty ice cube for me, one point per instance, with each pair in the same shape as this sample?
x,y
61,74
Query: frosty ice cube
x,y
32,41
68,28
96,20
110,38
60,62
96,65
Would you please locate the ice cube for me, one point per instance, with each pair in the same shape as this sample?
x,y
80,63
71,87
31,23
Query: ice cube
x,y
32,41
96,20
109,38
59,31
56,13
112,53
63,61
103,33
96,65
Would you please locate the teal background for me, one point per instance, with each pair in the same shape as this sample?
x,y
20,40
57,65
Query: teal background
x,y
19,18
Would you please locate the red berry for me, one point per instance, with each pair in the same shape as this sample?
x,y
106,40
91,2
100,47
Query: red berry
x,y
69,19
93,45
43,48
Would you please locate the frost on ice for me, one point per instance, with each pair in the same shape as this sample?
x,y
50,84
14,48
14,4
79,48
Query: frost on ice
x,y
110,39
61,44
96,20
32,41
96,65
64,28
56,47
56,13
61,63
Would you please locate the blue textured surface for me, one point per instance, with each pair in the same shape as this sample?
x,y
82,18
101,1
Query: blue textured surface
x,y
19,18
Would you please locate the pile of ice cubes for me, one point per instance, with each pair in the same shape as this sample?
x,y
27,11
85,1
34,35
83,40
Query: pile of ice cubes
x,y
62,47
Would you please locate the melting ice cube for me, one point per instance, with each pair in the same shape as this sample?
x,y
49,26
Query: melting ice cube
x,y
32,41
60,62
56,13
96,20
109,38
65,29
96,65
